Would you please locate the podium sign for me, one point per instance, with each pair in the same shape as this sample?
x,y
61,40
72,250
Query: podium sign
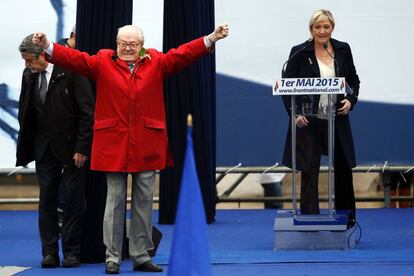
x,y
310,86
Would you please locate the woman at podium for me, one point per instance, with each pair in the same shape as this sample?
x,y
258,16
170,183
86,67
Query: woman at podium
x,y
322,56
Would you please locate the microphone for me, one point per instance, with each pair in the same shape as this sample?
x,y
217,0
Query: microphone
x,y
325,46
347,87
286,98
292,56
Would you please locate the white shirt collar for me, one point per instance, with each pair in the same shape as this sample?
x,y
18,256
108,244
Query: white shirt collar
x,y
49,68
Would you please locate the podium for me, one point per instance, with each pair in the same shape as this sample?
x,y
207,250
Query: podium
x,y
326,231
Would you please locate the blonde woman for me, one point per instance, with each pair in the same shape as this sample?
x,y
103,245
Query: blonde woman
x,y
323,56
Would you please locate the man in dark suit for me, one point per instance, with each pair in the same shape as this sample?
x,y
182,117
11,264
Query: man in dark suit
x,y
68,42
55,117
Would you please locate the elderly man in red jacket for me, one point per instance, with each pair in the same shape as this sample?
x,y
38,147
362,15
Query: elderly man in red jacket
x,y
130,134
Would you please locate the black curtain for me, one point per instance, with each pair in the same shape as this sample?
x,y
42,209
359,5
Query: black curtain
x,y
191,91
97,23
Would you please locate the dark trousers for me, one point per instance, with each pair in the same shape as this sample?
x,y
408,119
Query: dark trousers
x,y
51,174
343,183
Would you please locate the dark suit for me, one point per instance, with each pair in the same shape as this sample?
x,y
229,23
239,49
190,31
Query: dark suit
x,y
312,140
51,133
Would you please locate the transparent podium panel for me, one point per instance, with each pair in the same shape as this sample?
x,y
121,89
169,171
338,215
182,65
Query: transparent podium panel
x,y
312,137
306,105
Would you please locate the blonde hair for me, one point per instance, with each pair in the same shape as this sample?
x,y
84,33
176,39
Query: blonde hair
x,y
321,15
131,29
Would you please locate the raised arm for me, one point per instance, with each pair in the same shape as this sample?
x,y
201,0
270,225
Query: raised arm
x,y
179,58
40,39
68,58
221,31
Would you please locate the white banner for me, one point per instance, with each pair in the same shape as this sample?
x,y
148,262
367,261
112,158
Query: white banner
x,y
310,86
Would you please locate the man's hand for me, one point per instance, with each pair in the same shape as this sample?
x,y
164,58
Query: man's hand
x,y
40,39
220,32
79,159
301,121
345,107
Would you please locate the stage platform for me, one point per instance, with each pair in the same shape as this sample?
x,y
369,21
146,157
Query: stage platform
x,y
241,243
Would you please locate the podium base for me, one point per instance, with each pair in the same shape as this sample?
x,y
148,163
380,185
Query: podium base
x,y
313,232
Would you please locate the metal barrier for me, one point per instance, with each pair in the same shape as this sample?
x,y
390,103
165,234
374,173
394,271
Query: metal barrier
x,y
244,171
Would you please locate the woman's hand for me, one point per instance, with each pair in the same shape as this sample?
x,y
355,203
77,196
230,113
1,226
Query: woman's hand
x,y
301,121
346,106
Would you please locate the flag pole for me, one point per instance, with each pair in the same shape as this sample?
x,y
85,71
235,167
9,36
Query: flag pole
x,y
189,120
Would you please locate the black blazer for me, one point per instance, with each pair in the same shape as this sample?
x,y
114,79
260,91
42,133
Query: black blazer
x,y
69,110
304,64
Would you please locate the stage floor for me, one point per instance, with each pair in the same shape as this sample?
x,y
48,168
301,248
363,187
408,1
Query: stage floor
x,y
241,243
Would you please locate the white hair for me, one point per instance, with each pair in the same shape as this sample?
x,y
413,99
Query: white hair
x,y
131,29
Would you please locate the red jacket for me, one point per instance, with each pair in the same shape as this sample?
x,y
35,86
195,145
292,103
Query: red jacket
x,y
130,132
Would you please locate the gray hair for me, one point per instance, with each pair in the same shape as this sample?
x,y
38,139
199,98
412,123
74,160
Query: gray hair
x,y
131,29
27,47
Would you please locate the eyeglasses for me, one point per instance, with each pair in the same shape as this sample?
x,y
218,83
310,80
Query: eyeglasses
x,y
131,45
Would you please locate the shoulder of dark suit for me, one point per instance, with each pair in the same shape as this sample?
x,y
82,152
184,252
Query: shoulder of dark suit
x,y
308,44
28,74
336,44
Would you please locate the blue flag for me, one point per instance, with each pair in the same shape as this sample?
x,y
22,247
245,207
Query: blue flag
x,y
190,250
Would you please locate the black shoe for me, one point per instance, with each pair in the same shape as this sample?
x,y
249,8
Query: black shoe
x,y
351,223
111,268
148,266
50,261
71,261
351,220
